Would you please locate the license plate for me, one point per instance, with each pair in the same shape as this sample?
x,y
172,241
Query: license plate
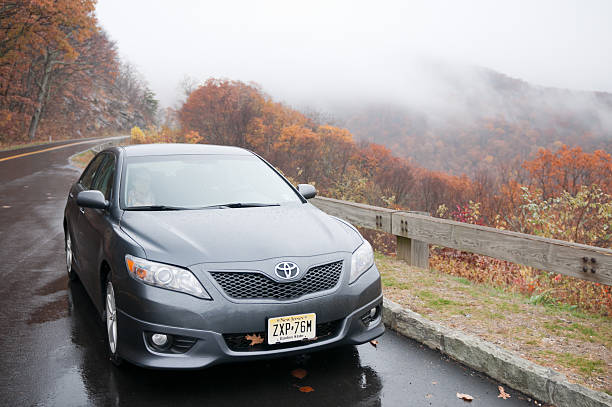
x,y
292,328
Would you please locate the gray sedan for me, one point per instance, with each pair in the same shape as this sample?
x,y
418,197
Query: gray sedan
x,y
195,255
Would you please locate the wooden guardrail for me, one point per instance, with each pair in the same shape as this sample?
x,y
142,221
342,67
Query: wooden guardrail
x,y
416,230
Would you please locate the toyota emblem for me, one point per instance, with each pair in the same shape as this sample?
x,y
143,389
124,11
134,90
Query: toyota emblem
x,y
287,270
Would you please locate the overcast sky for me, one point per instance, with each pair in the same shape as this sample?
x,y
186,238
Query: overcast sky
x,y
302,51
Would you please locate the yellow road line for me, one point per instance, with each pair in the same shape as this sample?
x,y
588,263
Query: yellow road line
x,y
45,150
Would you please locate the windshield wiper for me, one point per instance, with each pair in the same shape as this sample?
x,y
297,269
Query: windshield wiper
x,y
156,208
187,208
240,205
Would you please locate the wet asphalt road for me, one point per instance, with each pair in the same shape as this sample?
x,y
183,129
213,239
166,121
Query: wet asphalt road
x,y
52,348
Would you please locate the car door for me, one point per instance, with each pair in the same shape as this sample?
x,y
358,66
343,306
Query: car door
x,y
74,212
94,223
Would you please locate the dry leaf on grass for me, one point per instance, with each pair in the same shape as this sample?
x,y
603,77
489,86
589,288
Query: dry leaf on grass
x,y
299,373
465,397
306,389
502,393
255,339
374,342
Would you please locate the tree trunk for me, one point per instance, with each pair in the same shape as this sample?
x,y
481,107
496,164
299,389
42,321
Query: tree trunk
x,y
42,97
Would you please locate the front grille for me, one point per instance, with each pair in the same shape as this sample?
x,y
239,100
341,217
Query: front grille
x,y
257,285
239,343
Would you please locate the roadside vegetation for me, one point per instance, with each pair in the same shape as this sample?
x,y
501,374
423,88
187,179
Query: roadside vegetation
x,y
550,333
82,159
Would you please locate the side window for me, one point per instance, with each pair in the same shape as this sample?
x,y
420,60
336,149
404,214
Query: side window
x,y
90,171
104,177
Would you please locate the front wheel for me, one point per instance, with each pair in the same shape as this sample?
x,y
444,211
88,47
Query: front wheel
x,y
110,317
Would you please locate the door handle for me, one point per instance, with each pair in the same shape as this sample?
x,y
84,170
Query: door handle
x,y
82,210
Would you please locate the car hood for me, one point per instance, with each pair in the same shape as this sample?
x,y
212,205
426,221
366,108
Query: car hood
x,y
191,237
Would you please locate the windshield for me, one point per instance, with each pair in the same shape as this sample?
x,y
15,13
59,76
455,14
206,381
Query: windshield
x,y
197,181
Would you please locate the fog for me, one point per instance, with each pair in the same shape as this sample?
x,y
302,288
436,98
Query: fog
x,y
330,53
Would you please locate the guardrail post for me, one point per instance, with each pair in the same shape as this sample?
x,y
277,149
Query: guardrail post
x,y
415,252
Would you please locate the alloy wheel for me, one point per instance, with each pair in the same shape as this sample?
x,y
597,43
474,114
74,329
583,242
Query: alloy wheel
x,y
68,253
111,318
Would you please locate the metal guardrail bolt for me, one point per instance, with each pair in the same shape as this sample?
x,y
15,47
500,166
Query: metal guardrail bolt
x,y
585,269
593,262
585,259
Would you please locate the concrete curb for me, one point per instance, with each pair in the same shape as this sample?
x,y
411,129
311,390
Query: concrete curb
x,y
534,380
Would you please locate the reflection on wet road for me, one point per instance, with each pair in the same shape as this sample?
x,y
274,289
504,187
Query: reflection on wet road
x,y
52,349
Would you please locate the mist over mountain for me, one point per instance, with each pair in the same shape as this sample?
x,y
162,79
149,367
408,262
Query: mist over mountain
x,y
463,119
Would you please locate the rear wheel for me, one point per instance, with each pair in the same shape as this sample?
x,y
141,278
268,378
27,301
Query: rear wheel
x,y
70,258
110,317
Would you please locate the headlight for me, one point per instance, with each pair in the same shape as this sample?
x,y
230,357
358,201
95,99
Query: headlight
x,y
165,276
362,260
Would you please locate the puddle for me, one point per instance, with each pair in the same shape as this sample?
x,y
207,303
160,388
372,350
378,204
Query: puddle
x,y
57,285
57,309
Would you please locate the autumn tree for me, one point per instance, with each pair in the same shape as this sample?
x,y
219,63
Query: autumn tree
x,y
57,71
221,111
567,169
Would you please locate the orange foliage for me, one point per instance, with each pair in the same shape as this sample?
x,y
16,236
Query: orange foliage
x,y
569,168
58,73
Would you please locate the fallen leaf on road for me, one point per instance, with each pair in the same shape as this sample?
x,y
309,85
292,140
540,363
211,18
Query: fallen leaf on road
x,y
255,339
306,389
428,396
465,397
434,382
299,373
502,393
374,342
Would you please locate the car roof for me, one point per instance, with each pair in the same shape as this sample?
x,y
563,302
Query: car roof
x,y
139,150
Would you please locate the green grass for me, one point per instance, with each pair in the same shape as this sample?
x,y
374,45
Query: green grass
x,y
391,282
584,365
462,280
573,330
509,307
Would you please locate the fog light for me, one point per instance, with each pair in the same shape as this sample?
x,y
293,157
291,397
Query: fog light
x,y
159,339
373,312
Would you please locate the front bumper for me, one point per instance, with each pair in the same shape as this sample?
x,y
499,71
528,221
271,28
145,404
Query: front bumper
x,y
211,347
144,309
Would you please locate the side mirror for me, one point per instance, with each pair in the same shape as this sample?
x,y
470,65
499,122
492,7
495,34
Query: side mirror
x,y
308,191
92,199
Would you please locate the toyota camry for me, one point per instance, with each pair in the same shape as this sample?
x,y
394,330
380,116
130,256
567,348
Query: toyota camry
x,y
195,255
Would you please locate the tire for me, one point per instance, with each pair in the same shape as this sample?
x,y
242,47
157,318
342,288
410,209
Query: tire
x,y
72,276
110,323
